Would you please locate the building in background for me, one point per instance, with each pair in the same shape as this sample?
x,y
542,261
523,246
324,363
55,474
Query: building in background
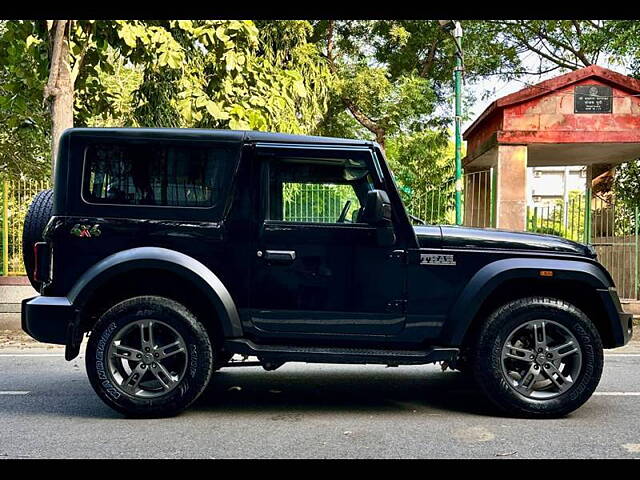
x,y
551,185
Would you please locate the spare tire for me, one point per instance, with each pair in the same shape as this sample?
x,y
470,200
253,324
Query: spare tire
x,y
38,215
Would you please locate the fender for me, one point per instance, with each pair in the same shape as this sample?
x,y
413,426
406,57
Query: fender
x,y
155,257
494,274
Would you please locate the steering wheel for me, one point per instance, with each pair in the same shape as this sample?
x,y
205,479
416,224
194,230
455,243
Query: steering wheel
x,y
343,213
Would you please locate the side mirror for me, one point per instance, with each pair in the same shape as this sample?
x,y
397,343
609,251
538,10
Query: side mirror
x,y
377,212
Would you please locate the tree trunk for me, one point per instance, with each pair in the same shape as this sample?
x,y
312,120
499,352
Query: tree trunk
x,y
59,88
380,138
358,114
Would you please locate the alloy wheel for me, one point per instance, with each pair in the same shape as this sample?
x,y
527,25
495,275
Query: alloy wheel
x,y
541,359
147,358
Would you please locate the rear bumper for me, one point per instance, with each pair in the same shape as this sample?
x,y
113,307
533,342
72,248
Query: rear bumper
x,y
621,322
47,319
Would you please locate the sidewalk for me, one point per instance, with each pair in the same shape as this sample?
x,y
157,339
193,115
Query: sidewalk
x,y
17,340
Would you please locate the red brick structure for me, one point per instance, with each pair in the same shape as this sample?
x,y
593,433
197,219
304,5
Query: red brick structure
x,y
586,117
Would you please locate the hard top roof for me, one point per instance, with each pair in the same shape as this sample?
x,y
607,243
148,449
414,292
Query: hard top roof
x,y
204,134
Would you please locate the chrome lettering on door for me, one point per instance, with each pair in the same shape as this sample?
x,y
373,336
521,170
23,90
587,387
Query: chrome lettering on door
x,y
436,259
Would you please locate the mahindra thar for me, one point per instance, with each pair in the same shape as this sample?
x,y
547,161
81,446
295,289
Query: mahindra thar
x,y
175,249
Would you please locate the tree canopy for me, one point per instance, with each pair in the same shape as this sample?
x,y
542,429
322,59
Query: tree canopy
x,y
388,80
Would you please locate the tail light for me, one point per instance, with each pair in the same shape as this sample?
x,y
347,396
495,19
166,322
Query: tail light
x,y
42,262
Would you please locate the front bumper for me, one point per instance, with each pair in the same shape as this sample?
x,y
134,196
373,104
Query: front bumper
x,y
47,319
621,322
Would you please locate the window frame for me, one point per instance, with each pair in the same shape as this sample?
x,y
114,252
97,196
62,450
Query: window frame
x,y
267,153
84,179
75,174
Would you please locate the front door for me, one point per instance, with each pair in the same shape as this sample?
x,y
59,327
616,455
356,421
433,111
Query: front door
x,y
317,269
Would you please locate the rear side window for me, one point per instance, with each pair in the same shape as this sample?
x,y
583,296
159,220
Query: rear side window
x,y
161,175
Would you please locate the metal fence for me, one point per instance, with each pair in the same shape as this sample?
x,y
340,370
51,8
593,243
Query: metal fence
x,y
610,226
477,199
312,202
613,231
436,203
16,198
564,219
433,205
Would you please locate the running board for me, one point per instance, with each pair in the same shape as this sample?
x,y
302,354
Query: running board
x,y
290,353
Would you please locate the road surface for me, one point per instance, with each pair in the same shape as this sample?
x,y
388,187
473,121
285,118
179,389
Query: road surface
x,y
48,410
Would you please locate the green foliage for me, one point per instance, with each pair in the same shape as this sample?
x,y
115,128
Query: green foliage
x,y
549,219
423,168
422,160
423,46
388,79
626,192
398,73
121,83
24,143
213,74
567,44
401,105
241,79
627,182
338,122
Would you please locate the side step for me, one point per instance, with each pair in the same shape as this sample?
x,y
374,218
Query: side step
x,y
290,353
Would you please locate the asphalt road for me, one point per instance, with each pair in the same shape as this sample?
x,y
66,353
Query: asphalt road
x,y
48,410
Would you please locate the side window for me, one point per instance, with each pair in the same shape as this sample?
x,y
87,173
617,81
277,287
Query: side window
x,y
155,174
318,190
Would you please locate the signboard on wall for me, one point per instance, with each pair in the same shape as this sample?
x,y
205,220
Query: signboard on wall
x,y
592,99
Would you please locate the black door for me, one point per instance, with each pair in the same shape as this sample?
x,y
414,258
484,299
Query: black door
x,y
317,269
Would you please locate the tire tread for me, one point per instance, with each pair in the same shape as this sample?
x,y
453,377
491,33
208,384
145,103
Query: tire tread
x,y
38,215
486,359
171,306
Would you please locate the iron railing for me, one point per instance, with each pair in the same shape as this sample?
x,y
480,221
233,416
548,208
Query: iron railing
x,y
610,226
16,198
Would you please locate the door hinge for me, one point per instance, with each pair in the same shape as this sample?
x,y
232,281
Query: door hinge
x,y
397,306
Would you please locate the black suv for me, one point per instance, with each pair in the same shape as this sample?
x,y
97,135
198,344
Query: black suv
x,y
174,250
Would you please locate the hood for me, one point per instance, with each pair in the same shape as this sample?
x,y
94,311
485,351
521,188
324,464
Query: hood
x,y
491,238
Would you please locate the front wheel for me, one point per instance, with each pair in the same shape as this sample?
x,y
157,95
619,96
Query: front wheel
x,y
538,357
149,357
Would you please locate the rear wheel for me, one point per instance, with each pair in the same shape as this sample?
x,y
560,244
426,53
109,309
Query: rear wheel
x,y
149,357
538,357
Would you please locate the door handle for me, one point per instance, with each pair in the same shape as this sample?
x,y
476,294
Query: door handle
x,y
278,256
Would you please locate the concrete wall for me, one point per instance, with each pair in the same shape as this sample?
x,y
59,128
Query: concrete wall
x,y
11,296
555,113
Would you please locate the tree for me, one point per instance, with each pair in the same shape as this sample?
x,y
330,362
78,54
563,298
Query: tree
x,y
423,166
59,87
557,44
627,183
24,142
561,45
409,61
378,102
200,73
